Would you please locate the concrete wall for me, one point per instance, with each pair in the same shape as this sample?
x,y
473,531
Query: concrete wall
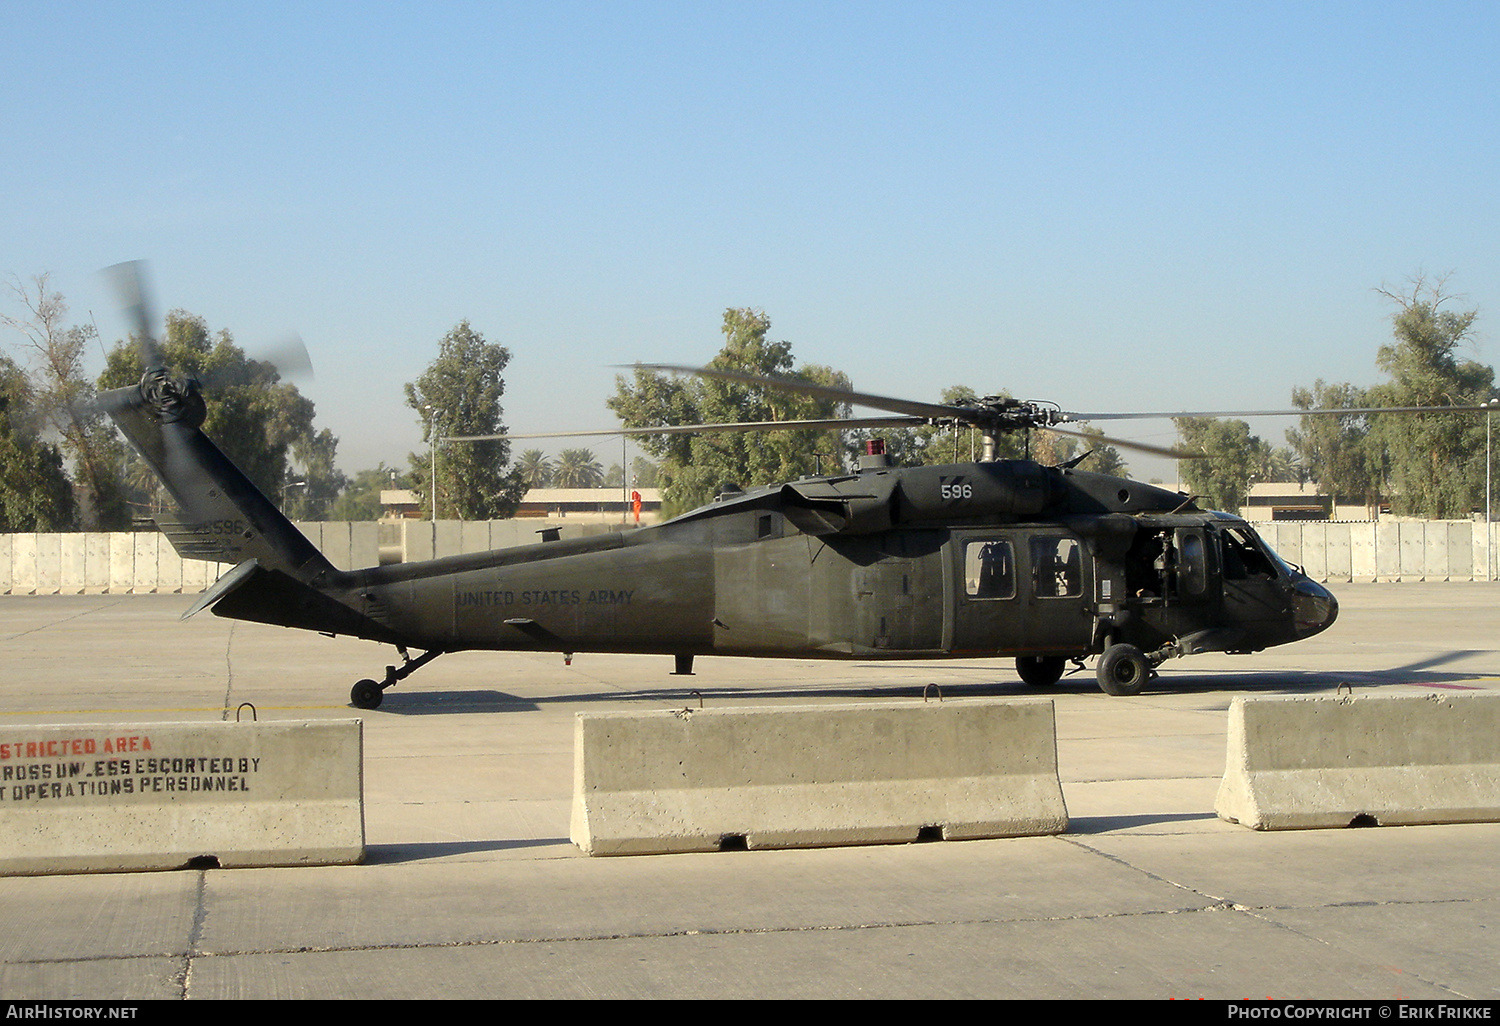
x,y
1387,550
124,563
141,562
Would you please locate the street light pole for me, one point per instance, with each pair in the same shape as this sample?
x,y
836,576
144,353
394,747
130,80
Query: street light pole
x,y
1489,532
288,487
432,446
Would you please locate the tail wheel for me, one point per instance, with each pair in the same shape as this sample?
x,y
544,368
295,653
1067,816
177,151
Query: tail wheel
x,y
1123,670
1040,671
366,695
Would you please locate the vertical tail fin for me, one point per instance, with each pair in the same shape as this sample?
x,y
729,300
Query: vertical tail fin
x,y
224,516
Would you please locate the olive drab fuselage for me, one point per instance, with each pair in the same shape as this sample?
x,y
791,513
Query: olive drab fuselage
x,y
1006,558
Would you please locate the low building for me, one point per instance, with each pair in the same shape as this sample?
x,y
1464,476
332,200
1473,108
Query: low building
x,y
1288,500
400,504
591,505
583,505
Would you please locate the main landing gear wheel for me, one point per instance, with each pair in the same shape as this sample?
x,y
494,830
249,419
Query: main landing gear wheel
x,y
366,695
1040,671
1123,670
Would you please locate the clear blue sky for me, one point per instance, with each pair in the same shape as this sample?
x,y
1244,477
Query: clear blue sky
x,y
1110,205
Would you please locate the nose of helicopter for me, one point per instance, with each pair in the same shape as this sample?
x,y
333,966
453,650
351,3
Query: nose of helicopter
x,y
1313,606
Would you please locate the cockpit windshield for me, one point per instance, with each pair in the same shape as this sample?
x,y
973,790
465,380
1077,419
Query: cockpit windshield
x,y
1247,557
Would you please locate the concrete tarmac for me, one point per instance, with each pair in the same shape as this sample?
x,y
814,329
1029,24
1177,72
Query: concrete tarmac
x,y
471,888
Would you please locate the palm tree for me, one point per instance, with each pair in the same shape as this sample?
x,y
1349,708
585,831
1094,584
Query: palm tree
x,y
145,489
577,468
536,468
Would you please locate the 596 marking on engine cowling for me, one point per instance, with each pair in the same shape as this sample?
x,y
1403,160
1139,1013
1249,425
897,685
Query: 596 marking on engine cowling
x,y
955,489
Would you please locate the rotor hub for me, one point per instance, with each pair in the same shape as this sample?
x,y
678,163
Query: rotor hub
x,y
171,401
999,414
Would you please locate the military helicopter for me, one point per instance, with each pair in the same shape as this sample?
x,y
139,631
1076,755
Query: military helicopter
x,y
998,557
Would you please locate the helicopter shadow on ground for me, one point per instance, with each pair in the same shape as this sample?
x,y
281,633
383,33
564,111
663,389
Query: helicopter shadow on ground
x,y
1419,674
1116,824
432,703
446,703
1423,673
422,851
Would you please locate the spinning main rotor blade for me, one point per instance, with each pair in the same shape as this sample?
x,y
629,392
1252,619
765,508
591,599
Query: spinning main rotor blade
x,y
1145,447
1328,411
1011,415
700,429
927,411
852,423
922,413
288,358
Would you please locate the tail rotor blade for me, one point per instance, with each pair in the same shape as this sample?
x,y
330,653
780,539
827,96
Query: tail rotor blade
x,y
129,282
289,357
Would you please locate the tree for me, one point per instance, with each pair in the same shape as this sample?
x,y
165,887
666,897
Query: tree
x,y
318,483
360,499
143,489
536,469
930,443
253,416
459,394
643,473
1235,460
1103,458
35,494
577,468
1431,456
694,467
1278,464
1336,451
1053,450
62,388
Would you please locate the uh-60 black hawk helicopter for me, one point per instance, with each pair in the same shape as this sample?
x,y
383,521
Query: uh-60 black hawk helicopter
x,y
991,558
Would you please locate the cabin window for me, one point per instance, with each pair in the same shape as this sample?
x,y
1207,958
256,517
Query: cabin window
x,y
989,570
1057,567
1192,564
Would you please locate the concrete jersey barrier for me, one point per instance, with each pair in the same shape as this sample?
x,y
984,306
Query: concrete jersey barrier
x,y
89,798
809,776
1299,763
